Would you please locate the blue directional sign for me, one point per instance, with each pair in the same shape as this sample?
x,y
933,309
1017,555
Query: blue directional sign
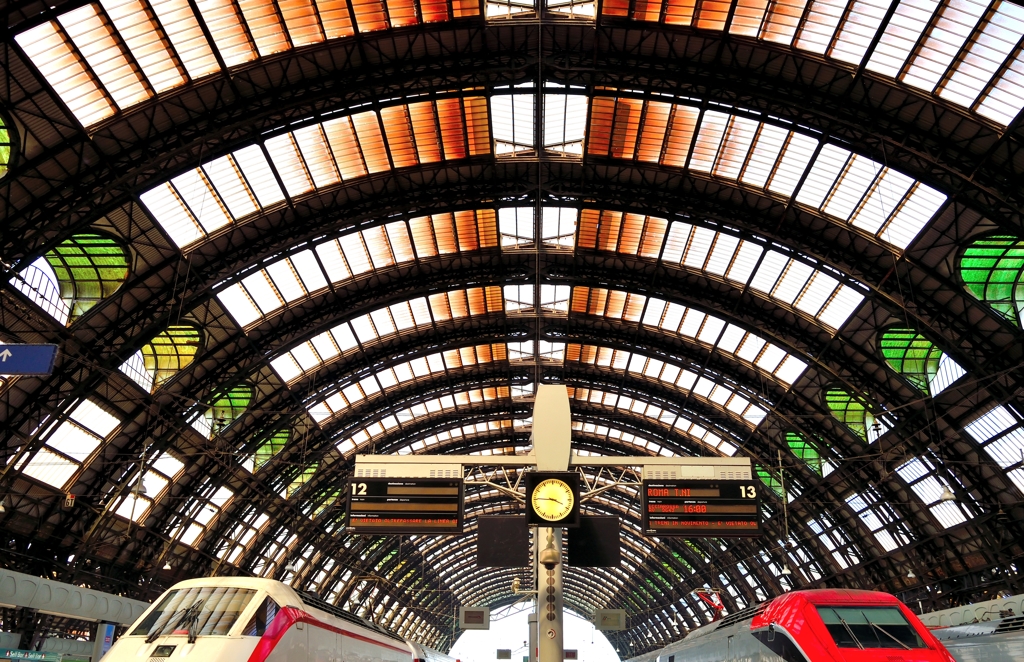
x,y
27,359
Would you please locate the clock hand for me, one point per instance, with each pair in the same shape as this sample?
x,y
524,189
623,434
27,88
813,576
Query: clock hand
x,y
549,499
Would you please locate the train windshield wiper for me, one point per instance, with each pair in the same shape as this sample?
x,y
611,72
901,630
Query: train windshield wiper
x,y
883,631
848,630
191,620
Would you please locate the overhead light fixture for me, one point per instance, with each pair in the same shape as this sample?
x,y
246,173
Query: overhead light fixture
x,y
140,487
911,575
290,567
947,494
2,509
167,565
786,571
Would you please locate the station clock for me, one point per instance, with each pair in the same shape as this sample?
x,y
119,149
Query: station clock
x,y
553,498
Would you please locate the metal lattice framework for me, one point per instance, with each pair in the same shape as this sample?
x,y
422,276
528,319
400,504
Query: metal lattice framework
x,y
381,237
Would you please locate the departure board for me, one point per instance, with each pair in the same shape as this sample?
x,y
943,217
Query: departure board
x,y
701,508
423,506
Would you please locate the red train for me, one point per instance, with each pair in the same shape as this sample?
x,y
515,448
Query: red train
x,y
823,625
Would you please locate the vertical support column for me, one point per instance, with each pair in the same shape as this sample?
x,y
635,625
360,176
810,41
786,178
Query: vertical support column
x,y
532,625
549,600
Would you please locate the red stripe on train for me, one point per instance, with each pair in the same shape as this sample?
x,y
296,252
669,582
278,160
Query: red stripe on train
x,y
289,616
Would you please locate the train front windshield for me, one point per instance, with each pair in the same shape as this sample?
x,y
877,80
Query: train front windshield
x,y
870,627
195,611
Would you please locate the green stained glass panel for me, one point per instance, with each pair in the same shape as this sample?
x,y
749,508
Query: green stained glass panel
x,y
805,450
270,448
912,355
769,479
993,270
228,407
89,268
850,411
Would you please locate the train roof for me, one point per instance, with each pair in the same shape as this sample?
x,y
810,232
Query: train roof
x,y
278,590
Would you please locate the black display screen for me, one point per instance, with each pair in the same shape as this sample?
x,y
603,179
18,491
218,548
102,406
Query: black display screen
x,y
427,506
701,508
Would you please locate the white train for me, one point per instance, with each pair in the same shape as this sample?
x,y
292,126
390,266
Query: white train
x,y
242,619
1001,640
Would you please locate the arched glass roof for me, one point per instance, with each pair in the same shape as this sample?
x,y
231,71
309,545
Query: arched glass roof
x,y
783,231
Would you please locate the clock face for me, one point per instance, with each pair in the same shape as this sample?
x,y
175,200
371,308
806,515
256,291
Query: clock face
x,y
552,499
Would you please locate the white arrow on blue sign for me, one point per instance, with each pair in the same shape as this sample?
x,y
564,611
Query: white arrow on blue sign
x,y
27,359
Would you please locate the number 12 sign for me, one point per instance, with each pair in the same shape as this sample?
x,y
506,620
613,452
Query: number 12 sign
x,y
701,508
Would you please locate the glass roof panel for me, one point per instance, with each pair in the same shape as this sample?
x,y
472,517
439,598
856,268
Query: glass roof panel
x,y
901,35
224,20
858,30
195,191
565,121
931,60
227,180
713,391
141,36
513,117
182,28
354,146
820,24
50,52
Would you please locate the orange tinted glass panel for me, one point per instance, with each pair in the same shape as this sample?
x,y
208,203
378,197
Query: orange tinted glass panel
x,y
300,19
444,233
465,8
713,14
449,113
477,131
608,230
371,141
370,15
632,229
424,129
615,7
748,17
647,10
423,236
652,137
602,113
335,17
680,135
347,154
654,235
434,10
465,228
402,12
589,219
680,12
624,130
399,132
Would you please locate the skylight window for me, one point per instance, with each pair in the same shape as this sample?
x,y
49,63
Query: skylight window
x,y
565,121
558,227
516,225
50,50
923,479
967,54
231,188
69,444
724,396
1001,433
307,357
725,256
513,116
887,204
656,414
